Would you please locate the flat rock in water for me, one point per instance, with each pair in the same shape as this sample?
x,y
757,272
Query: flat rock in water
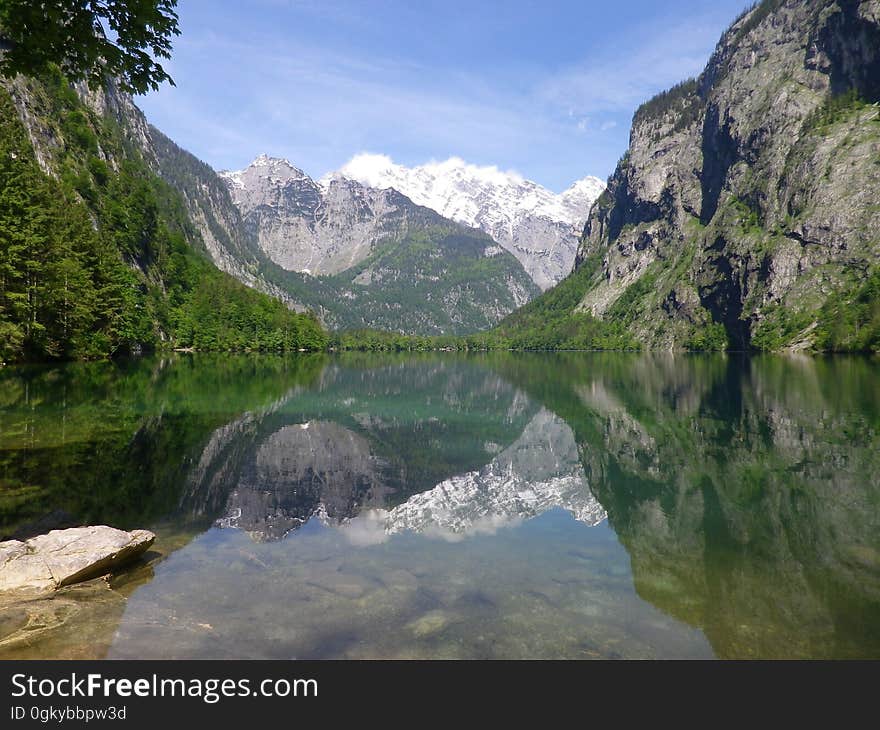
x,y
62,557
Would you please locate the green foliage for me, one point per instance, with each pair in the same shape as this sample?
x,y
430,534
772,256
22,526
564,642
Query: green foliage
x,y
552,322
780,328
55,269
549,322
749,219
711,337
436,280
370,340
835,108
69,33
98,170
849,321
683,99
626,306
222,314
103,262
75,126
852,323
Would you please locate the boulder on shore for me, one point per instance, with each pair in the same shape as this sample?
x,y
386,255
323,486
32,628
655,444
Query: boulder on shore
x,y
62,557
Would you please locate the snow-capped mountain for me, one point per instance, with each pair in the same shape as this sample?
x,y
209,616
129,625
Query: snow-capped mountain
x,y
372,258
539,227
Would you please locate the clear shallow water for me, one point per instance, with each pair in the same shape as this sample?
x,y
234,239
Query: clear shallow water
x,y
578,506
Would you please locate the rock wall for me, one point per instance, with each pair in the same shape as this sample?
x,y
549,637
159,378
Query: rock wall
x,y
748,197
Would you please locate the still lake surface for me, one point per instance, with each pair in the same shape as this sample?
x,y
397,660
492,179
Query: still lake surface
x,y
450,506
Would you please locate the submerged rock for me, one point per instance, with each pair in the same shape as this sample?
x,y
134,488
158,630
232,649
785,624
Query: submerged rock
x,y
429,624
62,557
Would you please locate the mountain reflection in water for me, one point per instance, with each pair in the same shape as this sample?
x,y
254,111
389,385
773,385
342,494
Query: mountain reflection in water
x,y
450,506
322,470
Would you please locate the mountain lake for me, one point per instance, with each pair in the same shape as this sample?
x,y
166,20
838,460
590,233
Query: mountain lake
x,y
572,505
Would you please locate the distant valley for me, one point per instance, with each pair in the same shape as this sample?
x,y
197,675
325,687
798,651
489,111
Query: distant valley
x,y
335,236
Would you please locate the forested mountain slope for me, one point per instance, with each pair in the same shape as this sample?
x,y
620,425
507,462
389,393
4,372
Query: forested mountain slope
x,y
99,256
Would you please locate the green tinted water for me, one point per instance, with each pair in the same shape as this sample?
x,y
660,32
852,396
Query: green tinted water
x,y
582,505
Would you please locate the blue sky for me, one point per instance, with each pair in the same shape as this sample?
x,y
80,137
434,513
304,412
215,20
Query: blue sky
x,y
544,88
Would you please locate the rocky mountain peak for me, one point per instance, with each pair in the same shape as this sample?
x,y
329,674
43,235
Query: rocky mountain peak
x,y
579,197
541,228
264,170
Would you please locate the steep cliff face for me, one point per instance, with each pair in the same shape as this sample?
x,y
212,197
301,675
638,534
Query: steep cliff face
x,y
37,106
213,212
745,212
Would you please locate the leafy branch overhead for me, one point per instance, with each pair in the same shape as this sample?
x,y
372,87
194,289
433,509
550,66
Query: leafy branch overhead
x,y
89,41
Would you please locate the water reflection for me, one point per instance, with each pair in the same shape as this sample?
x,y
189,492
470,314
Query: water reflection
x,y
313,469
538,472
298,503
322,470
744,490
362,439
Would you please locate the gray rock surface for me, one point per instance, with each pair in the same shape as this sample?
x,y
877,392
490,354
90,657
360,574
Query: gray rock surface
x,y
63,557
305,227
539,227
748,196
361,257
